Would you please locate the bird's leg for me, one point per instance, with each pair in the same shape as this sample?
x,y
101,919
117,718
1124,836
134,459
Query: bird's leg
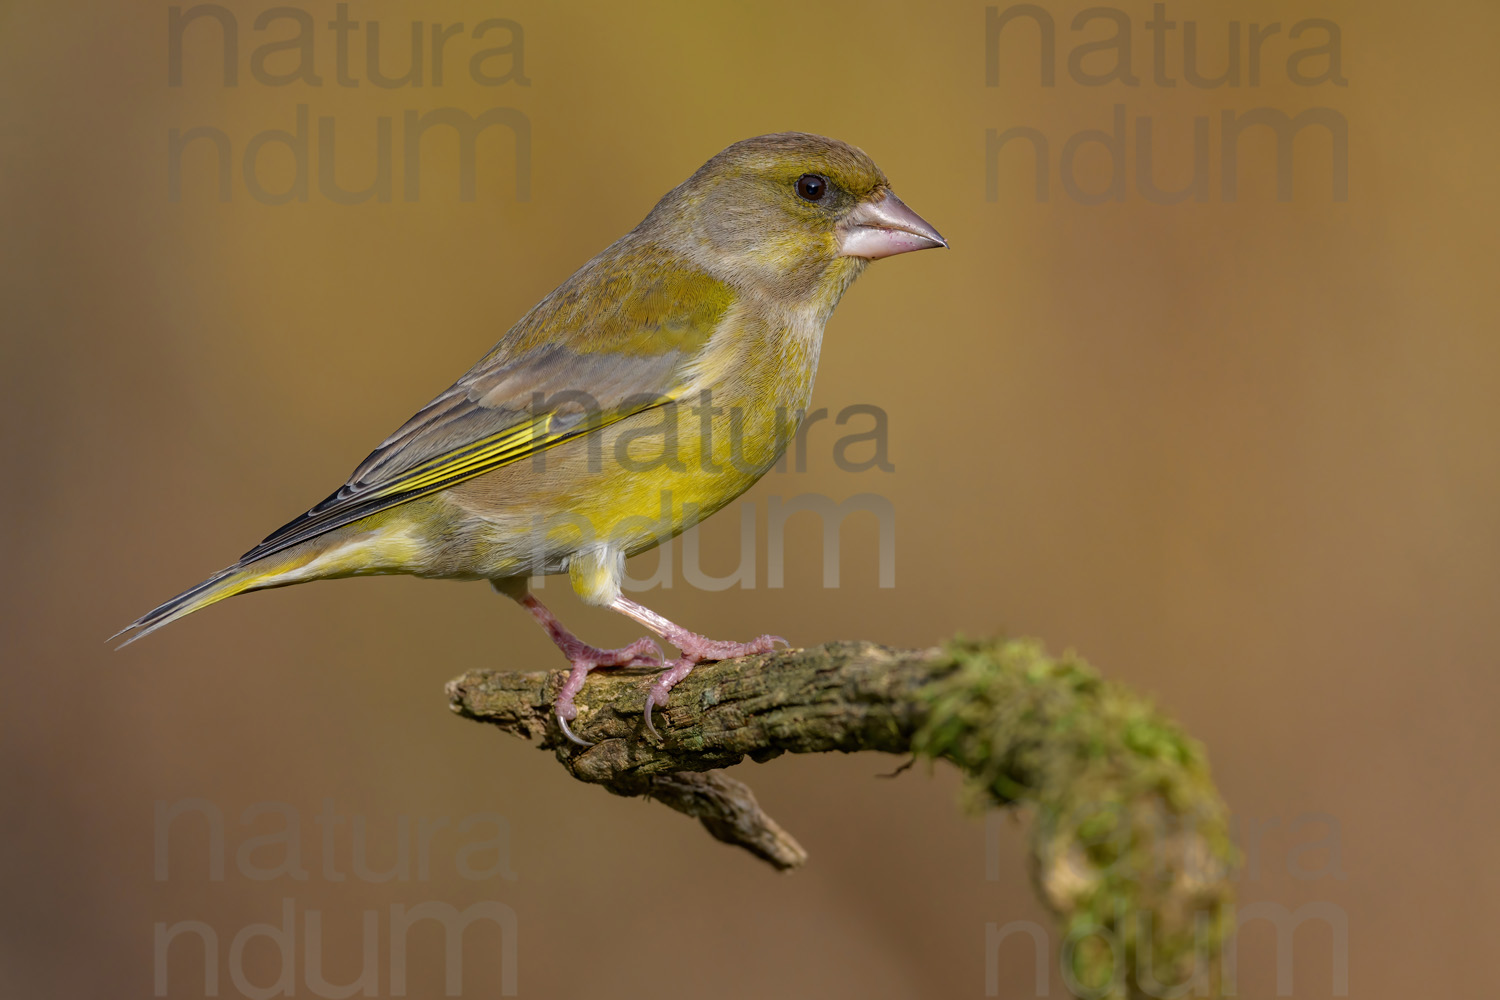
x,y
642,652
695,649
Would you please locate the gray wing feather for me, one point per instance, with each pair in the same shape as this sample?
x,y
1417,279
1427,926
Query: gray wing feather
x,y
497,395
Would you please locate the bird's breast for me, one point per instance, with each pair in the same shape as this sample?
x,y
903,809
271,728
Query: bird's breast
x,y
642,480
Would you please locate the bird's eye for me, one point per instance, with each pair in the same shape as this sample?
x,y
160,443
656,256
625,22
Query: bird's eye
x,y
811,187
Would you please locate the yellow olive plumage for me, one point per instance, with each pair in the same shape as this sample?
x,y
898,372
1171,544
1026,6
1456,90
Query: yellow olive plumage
x,y
651,388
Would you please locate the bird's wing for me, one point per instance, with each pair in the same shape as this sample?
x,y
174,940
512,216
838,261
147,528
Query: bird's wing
x,y
569,368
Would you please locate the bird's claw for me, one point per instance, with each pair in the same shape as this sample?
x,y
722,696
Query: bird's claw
x,y
651,701
568,732
656,696
696,649
645,652
642,653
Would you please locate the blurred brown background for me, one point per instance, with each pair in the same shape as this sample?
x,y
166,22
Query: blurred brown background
x,y
1240,454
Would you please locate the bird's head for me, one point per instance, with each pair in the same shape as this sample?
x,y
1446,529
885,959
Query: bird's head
x,y
790,215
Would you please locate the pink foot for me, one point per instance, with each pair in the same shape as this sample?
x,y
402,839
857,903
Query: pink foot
x,y
697,649
700,649
641,653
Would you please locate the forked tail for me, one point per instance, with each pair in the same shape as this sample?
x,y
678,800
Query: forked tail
x,y
226,583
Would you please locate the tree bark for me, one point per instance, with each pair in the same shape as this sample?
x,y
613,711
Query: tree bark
x,y
1129,847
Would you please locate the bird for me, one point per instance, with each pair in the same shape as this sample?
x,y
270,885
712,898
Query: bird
x,y
647,391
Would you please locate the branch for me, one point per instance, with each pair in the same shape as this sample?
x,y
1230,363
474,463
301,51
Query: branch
x,y
1129,846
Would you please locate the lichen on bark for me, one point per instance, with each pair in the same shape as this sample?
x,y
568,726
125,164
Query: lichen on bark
x,y
1129,843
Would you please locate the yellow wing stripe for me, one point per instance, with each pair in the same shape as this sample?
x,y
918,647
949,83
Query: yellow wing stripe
x,y
486,451
442,471
494,451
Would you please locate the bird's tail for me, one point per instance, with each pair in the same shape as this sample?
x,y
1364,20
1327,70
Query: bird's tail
x,y
226,583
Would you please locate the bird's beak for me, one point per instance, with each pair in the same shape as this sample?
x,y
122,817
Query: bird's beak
x,y
883,228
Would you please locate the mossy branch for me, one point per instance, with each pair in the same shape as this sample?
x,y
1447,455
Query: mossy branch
x,y
1129,846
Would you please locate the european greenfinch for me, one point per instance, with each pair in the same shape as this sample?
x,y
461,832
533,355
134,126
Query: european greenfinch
x,y
647,391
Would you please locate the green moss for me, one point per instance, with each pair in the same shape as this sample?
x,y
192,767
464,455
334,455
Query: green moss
x,y
1130,844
